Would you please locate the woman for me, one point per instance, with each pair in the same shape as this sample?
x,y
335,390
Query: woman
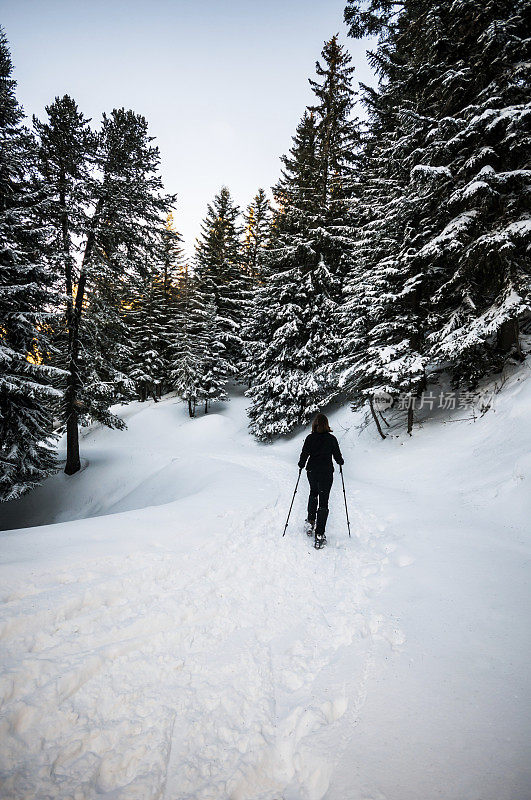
x,y
320,446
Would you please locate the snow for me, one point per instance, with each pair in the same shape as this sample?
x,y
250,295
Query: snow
x,y
425,171
520,227
470,191
160,639
450,235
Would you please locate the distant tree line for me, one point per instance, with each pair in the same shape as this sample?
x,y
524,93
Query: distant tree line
x,y
396,248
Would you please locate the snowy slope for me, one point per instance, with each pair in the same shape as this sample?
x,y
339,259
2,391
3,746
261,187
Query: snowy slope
x,y
162,640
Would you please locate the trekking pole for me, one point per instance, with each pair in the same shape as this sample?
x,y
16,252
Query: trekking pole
x,y
345,496
292,499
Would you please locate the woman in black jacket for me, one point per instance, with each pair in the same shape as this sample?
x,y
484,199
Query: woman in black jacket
x,y
320,446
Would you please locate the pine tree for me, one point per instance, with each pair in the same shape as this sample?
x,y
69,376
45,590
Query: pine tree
x,y
444,275
27,454
257,232
214,366
106,203
171,266
144,322
200,371
293,323
219,267
381,317
337,132
257,224
283,386
470,186
384,343
187,342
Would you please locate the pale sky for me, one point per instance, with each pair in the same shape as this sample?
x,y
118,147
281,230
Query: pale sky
x,y
222,83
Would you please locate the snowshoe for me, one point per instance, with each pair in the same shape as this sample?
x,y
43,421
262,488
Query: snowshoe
x,y
309,527
320,541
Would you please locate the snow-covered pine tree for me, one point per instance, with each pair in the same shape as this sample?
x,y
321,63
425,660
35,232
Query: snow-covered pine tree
x,y
257,226
171,267
337,133
382,352
151,313
187,341
293,322
281,373
27,455
105,377
471,183
381,316
257,230
200,371
215,368
131,247
67,148
144,323
220,268
106,202
453,110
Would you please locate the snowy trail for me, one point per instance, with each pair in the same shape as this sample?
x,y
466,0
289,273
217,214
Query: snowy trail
x,y
160,640
145,683
190,669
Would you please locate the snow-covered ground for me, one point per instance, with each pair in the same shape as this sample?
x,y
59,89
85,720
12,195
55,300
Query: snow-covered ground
x,y
160,639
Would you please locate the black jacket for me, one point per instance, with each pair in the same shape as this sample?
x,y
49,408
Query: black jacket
x,y
317,452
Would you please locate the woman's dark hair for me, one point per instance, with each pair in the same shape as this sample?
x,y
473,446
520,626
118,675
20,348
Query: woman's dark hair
x,y
320,424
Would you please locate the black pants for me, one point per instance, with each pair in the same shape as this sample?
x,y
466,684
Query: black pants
x,y
320,485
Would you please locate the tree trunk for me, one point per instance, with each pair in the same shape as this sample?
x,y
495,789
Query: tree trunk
x,y
375,418
509,336
206,406
73,463
73,320
410,416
